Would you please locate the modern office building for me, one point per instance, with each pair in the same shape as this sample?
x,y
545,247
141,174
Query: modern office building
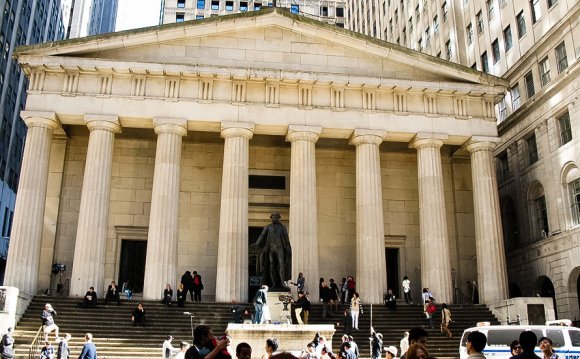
x,y
332,12
92,17
22,22
533,45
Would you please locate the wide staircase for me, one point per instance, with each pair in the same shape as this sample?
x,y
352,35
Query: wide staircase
x,y
116,338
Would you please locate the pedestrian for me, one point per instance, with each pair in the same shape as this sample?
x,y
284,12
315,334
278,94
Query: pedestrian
x,y
113,293
302,307
475,343
138,316
126,288
89,349
181,296
183,346
167,350
63,351
376,344
300,282
528,340
48,324
355,310
416,336
347,322
431,309
334,294
391,352
243,351
47,351
167,295
205,345
260,299
343,290
197,286
90,298
545,345
515,348
271,347
187,281
390,300
351,288
325,296
404,343
407,290
417,351
7,351
446,320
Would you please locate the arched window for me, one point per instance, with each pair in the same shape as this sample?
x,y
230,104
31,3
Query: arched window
x,y
509,221
538,211
571,182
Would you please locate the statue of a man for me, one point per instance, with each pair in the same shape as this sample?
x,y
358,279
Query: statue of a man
x,y
275,261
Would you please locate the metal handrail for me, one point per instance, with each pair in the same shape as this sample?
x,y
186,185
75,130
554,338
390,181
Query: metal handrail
x,y
35,346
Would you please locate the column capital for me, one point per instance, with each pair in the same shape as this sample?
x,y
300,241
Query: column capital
x,y
108,123
477,143
40,119
423,140
303,133
363,136
163,125
237,129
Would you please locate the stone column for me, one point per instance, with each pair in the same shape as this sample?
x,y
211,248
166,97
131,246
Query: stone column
x,y
435,266
491,265
232,263
28,222
303,229
89,257
371,268
161,264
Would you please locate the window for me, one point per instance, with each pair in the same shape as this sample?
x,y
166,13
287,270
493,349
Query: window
x,y
404,35
484,64
496,53
267,182
561,58
479,22
574,188
257,6
544,71
515,92
507,38
521,20
536,11
215,4
552,3
435,25
529,80
504,166
410,25
198,17
449,49
243,6
490,9
445,10
502,109
427,37
420,45
180,3
542,216
324,11
229,6
532,149
502,3
201,4
179,17
469,31
417,13
396,16
402,7
339,12
294,8
565,128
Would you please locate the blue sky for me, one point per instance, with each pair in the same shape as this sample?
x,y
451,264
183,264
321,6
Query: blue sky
x,y
137,13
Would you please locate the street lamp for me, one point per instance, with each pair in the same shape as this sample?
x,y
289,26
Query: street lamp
x,y
191,315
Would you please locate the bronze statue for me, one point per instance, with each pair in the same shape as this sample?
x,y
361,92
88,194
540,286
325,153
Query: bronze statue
x,y
275,260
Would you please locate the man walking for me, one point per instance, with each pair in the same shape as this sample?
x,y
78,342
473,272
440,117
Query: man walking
x,y
89,349
63,351
259,301
475,343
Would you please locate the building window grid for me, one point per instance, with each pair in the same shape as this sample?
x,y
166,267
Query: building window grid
x,y
575,200
561,58
215,5
484,63
201,4
449,49
427,37
502,110
544,71
445,9
529,81
552,3
480,26
515,93
521,21
181,4
532,149
490,9
504,167
469,32
542,216
565,128
507,38
536,10
502,3
436,25
495,51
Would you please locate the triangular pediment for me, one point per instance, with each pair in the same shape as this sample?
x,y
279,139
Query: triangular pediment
x,y
270,40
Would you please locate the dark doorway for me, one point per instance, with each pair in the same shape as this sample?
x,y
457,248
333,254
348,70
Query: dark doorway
x,y
514,290
132,266
392,257
545,289
253,252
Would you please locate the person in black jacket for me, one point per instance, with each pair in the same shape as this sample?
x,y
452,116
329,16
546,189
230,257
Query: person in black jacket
x,y
197,287
63,351
90,298
113,293
167,295
7,351
187,281
376,344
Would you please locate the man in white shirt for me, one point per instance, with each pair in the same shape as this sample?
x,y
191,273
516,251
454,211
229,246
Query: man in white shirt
x,y
183,346
168,349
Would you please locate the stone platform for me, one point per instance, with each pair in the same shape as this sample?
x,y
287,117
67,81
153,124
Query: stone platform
x,y
293,337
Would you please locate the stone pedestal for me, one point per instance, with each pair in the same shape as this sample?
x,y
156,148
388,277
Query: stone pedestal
x,y
232,262
435,266
371,272
303,222
93,220
491,265
28,222
293,338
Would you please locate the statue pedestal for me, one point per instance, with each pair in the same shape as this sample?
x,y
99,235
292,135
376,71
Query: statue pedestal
x,y
293,337
277,312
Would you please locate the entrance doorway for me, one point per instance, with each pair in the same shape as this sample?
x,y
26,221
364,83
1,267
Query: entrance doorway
x,y
545,288
253,253
132,264
392,258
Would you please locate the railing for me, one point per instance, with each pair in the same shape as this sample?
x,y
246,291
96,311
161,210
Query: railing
x,y
34,350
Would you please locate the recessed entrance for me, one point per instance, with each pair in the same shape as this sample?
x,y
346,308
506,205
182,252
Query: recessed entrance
x,y
132,264
253,253
392,258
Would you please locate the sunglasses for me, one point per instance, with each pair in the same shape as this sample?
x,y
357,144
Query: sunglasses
x,y
518,347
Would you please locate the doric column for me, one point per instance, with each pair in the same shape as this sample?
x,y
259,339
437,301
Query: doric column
x,y
371,268
232,263
89,257
491,266
27,225
303,211
435,266
161,264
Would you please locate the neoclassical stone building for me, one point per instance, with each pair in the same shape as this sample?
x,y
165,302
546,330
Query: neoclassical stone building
x,y
155,151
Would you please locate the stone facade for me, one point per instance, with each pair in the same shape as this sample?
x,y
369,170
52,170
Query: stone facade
x,y
255,92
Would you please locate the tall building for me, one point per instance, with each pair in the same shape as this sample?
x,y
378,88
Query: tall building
x,y
533,45
92,17
22,22
332,11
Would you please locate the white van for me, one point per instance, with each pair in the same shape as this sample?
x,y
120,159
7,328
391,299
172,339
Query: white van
x,y
499,337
